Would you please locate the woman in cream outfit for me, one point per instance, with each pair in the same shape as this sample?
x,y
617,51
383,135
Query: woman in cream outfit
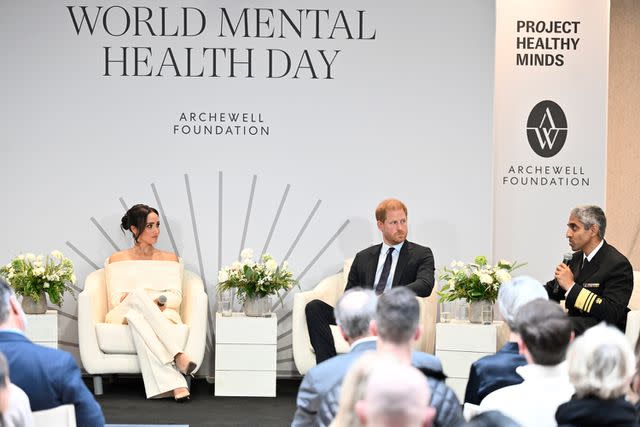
x,y
139,279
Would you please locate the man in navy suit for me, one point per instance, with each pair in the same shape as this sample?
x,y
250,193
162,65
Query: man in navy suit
x,y
48,376
598,281
395,262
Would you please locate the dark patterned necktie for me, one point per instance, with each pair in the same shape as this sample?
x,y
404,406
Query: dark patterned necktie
x,y
382,283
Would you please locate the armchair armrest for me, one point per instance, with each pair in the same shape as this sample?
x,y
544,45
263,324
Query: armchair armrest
x,y
303,357
193,312
92,309
633,327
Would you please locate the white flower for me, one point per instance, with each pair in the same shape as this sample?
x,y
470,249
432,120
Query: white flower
x,y
246,254
73,278
39,259
37,263
271,265
503,276
30,257
237,265
459,264
21,257
485,278
454,264
46,285
39,271
285,266
223,276
57,254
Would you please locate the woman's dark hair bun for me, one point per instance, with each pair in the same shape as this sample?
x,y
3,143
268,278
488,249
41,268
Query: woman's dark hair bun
x,y
124,223
136,217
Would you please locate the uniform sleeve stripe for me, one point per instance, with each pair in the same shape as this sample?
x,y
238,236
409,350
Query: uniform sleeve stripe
x,y
590,301
581,300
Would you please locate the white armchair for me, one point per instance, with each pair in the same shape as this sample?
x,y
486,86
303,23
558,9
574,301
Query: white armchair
x,y
633,317
330,290
108,348
60,416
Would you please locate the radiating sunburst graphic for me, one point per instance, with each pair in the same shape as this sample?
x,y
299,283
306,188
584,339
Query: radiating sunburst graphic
x,y
286,366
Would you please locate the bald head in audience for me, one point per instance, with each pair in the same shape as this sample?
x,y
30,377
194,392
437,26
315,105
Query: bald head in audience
x,y
396,395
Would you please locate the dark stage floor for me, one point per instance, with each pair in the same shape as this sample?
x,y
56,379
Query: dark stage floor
x,y
124,402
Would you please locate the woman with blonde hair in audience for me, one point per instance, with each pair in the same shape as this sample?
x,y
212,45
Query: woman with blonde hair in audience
x,y
144,286
601,364
354,386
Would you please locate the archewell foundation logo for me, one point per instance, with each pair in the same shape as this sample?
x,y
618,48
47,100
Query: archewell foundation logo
x,y
547,129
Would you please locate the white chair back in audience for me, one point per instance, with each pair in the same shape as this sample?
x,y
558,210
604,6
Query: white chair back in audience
x,y
60,416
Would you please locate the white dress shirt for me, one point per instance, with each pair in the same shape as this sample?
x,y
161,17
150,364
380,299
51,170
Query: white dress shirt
x,y
394,262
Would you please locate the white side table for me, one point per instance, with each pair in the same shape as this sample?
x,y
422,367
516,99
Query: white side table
x,y
43,328
246,351
459,344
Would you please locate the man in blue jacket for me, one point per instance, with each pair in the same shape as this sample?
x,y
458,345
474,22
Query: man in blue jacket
x,y
48,376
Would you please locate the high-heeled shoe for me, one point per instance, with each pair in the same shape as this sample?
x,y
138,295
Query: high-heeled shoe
x,y
189,369
182,398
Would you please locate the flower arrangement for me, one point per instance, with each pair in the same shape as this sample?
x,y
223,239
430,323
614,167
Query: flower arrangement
x,y
30,275
477,281
251,279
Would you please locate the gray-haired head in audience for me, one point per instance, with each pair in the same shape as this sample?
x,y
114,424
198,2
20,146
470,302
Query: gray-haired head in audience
x,y
601,363
354,312
516,293
5,294
397,315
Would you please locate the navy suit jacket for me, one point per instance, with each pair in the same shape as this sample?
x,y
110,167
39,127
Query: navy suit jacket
x,y
490,373
415,269
319,379
49,377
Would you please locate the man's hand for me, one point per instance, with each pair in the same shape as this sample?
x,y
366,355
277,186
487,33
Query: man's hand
x,y
564,276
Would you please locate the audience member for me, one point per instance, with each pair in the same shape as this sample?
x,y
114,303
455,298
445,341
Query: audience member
x,y
491,419
635,381
601,364
395,262
15,410
396,326
354,312
48,376
495,371
396,395
353,388
597,283
544,334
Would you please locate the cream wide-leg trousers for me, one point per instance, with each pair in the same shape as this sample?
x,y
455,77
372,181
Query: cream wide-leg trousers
x,y
156,345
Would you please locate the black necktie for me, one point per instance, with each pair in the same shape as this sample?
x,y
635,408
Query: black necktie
x,y
585,263
382,283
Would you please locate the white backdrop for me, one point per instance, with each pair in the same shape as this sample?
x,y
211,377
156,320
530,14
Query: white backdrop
x,y
552,50
406,115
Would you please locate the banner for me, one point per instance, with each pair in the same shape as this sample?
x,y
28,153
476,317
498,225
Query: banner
x,y
550,124
276,126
